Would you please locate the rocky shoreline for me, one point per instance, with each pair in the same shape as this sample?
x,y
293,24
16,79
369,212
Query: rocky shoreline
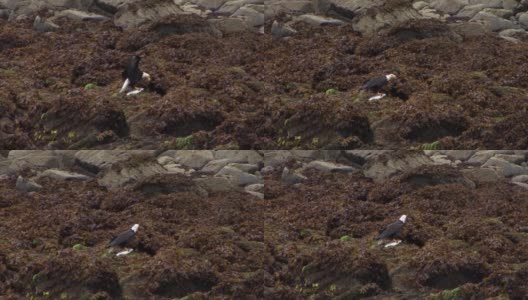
x,y
230,170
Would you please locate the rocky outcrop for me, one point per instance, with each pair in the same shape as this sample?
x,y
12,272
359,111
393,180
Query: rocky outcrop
x,y
477,167
472,18
211,171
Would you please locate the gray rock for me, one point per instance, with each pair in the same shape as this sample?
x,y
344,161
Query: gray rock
x,y
510,39
361,156
114,178
330,167
248,168
370,16
371,23
256,194
135,14
521,184
510,4
291,177
63,175
381,170
420,5
28,7
448,6
239,156
520,178
462,155
230,7
44,26
209,4
230,25
291,6
320,21
481,175
238,177
276,157
164,160
482,157
470,11
252,17
430,13
487,3
523,20
514,33
39,159
267,170
78,15
26,185
256,187
175,169
4,167
195,9
281,30
493,22
215,165
515,159
469,29
195,159
216,184
501,13
97,160
441,159
505,168
521,152
306,154
110,6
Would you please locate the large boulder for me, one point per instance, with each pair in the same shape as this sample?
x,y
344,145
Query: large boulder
x,y
370,16
523,20
97,160
494,22
209,4
78,15
470,11
194,159
391,164
124,174
63,175
230,7
133,15
39,159
448,6
110,6
289,6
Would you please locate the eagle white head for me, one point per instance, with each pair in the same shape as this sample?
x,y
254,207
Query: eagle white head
x,y
146,76
135,227
403,218
390,76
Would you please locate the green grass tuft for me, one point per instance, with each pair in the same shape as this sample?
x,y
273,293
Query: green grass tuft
x,y
345,238
432,146
332,92
79,247
90,86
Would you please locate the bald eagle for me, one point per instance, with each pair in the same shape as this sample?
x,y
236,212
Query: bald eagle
x,y
124,237
393,228
132,75
375,84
